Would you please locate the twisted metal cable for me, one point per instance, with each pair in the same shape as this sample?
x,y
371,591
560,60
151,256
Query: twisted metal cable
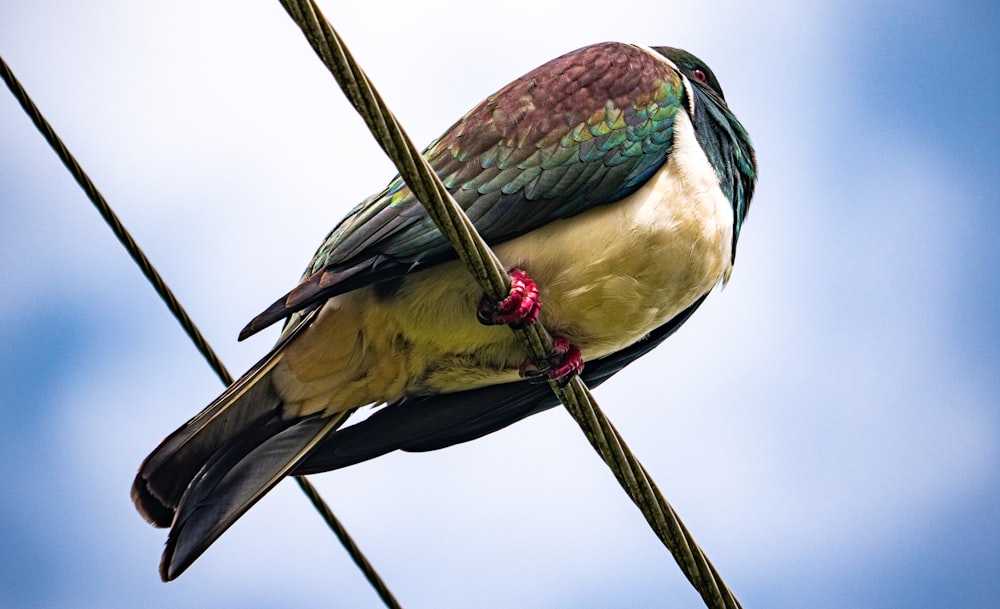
x,y
167,295
490,274
352,548
113,222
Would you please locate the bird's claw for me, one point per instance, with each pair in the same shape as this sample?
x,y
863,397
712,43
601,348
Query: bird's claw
x,y
520,308
562,364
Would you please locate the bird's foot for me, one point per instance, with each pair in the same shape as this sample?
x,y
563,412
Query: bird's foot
x,y
520,307
563,363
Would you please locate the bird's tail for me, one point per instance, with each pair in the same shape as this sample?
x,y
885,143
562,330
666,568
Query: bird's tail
x,y
205,475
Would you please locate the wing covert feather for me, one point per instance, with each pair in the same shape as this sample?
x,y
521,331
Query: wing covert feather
x,y
585,129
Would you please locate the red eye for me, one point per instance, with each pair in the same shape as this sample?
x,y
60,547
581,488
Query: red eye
x,y
700,76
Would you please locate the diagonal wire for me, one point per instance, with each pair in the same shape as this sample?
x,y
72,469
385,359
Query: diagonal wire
x,y
113,222
490,274
352,548
177,310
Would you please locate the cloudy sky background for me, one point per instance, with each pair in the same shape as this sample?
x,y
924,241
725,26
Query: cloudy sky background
x,y
827,426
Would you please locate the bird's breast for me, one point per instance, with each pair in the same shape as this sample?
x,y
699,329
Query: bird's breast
x,y
614,273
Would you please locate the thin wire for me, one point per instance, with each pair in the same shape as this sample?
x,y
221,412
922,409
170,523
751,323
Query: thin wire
x,y
112,220
352,548
490,274
177,310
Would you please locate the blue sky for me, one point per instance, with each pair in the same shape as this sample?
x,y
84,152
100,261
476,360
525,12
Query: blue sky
x,y
827,425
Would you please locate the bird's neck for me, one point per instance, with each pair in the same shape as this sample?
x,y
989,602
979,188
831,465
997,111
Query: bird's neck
x,y
728,149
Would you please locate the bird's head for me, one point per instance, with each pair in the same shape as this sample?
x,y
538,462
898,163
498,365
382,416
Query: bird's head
x,y
695,69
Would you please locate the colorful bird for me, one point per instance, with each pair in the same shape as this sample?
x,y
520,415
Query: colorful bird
x,y
612,181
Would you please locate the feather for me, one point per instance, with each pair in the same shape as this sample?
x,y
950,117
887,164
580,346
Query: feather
x,y
166,472
234,479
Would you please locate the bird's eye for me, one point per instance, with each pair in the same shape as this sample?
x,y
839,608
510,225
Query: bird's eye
x,y
700,76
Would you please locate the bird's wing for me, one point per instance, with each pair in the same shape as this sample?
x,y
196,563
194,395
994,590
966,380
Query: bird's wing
x,y
438,421
585,129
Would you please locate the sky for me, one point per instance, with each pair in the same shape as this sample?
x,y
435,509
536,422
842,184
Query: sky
x,y
828,425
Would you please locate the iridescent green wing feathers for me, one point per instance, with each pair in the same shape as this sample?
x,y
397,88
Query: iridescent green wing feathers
x,y
585,129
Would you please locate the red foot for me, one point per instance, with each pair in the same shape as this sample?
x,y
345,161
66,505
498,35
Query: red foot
x,y
565,361
522,306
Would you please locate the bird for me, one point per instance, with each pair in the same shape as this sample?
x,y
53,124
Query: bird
x,y
612,182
